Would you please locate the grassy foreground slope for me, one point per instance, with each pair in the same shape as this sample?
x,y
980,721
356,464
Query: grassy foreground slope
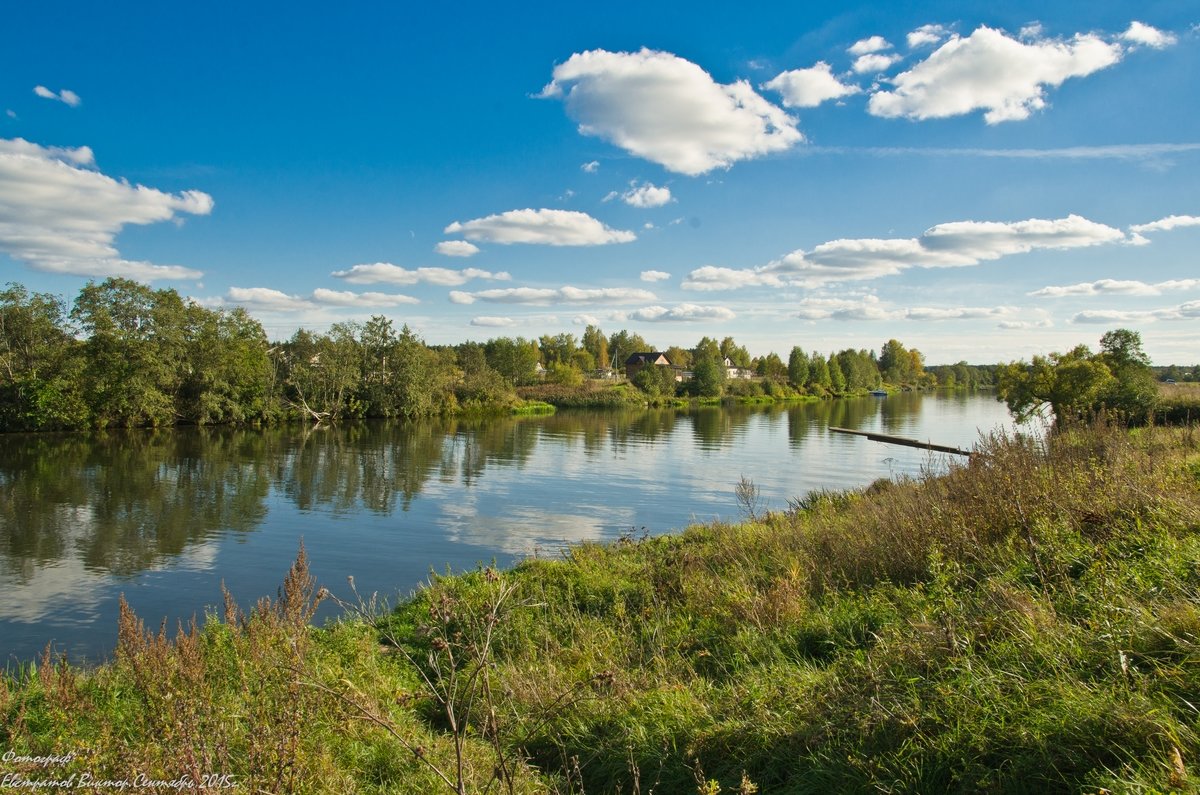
x,y
1029,622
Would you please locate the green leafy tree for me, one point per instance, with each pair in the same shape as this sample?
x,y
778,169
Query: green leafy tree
x,y
229,371
708,377
680,357
772,368
516,359
1067,384
706,349
655,381
135,351
479,384
797,367
1134,393
837,378
819,379
735,353
622,344
595,343
40,364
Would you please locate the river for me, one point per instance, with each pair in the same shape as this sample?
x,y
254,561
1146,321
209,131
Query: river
x,y
164,517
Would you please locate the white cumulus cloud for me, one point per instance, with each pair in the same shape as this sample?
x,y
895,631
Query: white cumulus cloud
x,y
1186,311
549,295
993,72
1116,287
874,62
681,313
456,248
926,35
668,110
807,88
346,298
267,298
590,167
869,45
646,195
492,321
66,96
655,276
540,227
57,214
955,244
387,273
1147,36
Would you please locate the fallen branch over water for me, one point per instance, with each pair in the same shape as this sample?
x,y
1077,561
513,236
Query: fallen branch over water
x,y
886,439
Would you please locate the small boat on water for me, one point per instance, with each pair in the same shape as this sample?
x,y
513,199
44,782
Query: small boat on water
x,y
879,392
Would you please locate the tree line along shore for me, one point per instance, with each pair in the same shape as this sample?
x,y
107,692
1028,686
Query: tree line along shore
x,y
125,355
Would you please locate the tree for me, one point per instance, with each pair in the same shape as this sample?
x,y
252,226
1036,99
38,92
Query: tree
x,y
680,357
772,368
595,343
557,348
622,344
797,367
135,351
1134,393
1122,347
707,348
40,364
735,353
1078,382
818,374
229,371
708,377
837,378
655,380
515,359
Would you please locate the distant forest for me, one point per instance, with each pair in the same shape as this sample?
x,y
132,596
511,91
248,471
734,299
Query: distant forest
x,y
125,355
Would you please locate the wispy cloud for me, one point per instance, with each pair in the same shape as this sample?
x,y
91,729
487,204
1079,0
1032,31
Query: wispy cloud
x,y
1167,224
655,276
66,96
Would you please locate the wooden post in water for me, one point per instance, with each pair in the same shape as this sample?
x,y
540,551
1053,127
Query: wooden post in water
x,y
882,437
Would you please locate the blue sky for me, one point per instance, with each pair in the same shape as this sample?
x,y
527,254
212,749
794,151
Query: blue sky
x,y
981,181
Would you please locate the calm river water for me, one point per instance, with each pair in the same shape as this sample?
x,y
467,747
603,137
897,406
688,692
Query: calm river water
x,y
165,517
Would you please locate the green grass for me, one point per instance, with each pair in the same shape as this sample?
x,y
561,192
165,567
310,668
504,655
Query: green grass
x,y
1028,622
527,407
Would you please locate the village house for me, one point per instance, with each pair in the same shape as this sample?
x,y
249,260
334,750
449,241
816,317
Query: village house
x,y
637,361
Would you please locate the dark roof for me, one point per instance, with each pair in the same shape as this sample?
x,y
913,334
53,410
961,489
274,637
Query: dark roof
x,y
646,358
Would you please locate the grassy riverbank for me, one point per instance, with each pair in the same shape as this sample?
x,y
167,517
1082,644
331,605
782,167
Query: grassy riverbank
x,y
1029,622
